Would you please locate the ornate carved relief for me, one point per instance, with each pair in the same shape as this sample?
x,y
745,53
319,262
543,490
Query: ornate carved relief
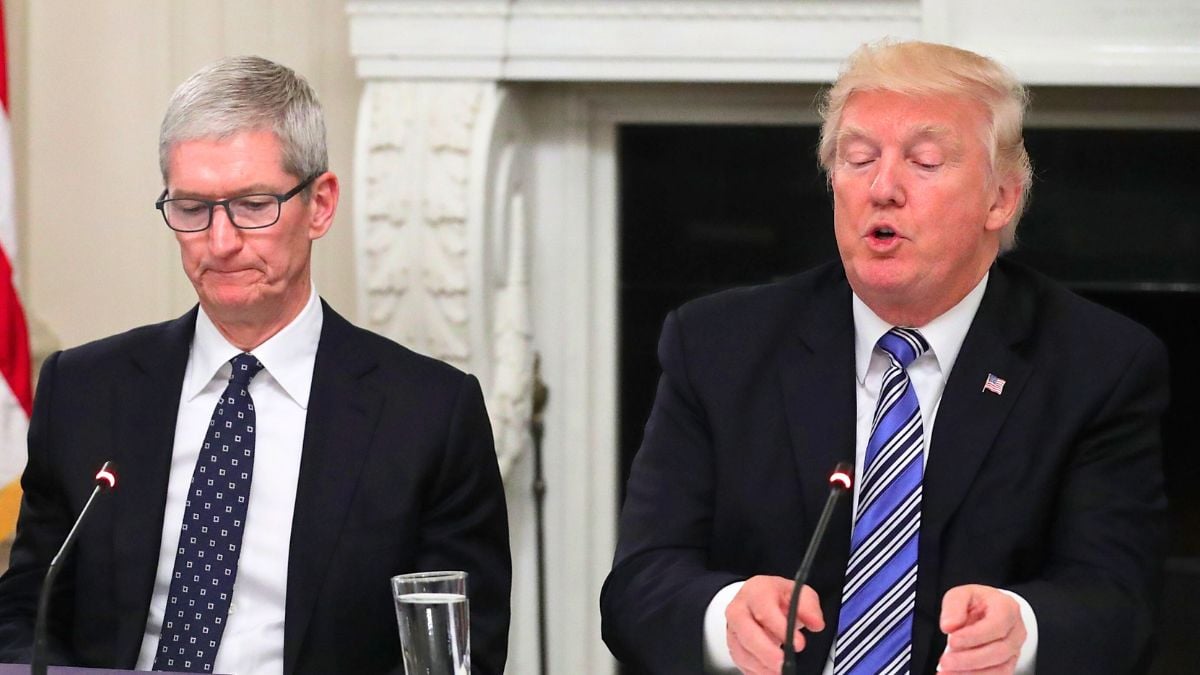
x,y
441,237
503,335
414,149
510,400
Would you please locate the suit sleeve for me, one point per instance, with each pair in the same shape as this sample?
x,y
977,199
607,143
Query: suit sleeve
x,y
466,527
653,602
42,526
1094,599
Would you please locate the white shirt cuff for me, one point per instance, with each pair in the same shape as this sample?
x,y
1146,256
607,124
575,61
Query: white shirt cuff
x,y
1027,660
716,650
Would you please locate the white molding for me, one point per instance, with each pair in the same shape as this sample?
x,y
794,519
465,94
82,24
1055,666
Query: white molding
x,y
764,41
935,20
412,191
1097,65
1082,42
442,262
653,40
497,270
674,9
574,268
599,473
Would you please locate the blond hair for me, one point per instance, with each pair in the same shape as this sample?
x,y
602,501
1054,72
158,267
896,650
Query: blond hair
x,y
925,69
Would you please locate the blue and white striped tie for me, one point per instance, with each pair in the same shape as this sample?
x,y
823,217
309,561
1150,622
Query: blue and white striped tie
x,y
875,625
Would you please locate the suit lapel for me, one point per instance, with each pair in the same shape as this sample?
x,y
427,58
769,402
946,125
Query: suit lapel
x,y
816,369
341,414
817,372
967,423
147,401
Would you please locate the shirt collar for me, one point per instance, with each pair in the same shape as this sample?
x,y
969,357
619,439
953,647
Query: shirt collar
x,y
945,334
288,356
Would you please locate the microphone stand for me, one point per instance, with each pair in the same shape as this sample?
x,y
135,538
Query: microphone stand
x,y
839,483
105,481
537,428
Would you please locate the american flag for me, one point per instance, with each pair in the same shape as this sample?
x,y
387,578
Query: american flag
x,y
993,384
16,393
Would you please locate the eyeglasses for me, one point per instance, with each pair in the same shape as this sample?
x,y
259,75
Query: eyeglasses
x,y
246,212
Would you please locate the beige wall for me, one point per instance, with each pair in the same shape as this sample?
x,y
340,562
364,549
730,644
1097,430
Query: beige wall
x,y
90,81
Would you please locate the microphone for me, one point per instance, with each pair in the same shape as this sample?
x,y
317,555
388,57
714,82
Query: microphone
x,y
106,479
840,481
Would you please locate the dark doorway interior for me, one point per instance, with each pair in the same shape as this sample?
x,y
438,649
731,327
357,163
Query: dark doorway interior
x,y
1113,215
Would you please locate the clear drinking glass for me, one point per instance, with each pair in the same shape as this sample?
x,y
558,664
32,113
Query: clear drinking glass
x,y
435,635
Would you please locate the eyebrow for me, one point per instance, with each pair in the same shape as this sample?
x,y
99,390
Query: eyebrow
x,y
847,134
938,133
925,132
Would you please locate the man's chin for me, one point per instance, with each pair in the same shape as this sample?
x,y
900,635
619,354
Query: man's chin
x,y
230,302
882,277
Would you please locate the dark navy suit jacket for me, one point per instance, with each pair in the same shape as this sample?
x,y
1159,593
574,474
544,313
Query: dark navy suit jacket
x,y
1052,489
398,474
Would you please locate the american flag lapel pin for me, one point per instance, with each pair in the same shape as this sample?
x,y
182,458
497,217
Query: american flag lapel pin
x,y
993,384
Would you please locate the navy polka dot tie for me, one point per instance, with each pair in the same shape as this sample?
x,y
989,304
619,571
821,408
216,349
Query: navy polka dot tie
x,y
211,537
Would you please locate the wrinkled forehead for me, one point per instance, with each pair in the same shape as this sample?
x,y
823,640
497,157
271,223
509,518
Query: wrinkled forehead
x,y
912,134
260,144
218,134
879,115
242,163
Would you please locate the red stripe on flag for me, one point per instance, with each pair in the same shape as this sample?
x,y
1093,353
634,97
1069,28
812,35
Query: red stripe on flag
x,y
14,334
14,339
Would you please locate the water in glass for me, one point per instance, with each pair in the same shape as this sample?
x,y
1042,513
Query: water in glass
x,y
434,633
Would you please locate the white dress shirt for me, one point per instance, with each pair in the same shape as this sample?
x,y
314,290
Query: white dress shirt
x,y
252,643
928,373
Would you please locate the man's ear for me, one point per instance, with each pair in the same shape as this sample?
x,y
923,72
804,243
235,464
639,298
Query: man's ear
x,y
323,202
1005,199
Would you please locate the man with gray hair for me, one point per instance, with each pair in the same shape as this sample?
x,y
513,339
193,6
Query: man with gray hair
x,y
277,464
1008,512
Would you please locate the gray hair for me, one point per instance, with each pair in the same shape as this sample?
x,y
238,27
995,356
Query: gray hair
x,y
248,93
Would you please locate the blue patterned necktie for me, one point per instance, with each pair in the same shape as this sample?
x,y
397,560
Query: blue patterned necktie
x,y
875,625
211,536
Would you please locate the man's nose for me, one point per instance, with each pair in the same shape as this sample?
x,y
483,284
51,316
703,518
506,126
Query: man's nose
x,y
223,237
887,185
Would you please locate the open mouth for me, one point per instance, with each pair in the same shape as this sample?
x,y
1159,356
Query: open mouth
x,y
883,233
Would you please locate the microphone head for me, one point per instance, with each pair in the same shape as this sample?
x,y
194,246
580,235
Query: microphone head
x,y
842,477
106,477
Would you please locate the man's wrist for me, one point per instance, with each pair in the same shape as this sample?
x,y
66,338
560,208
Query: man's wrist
x,y
1027,660
717,658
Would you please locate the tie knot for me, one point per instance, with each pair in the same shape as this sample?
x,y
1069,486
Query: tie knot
x,y
903,344
245,367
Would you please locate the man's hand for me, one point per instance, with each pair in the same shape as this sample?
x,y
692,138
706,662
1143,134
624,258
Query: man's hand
x,y
984,631
756,620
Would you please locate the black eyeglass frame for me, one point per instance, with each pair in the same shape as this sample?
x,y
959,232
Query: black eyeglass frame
x,y
224,203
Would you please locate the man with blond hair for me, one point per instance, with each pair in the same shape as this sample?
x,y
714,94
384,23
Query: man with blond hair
x,y
1008,512
277,463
